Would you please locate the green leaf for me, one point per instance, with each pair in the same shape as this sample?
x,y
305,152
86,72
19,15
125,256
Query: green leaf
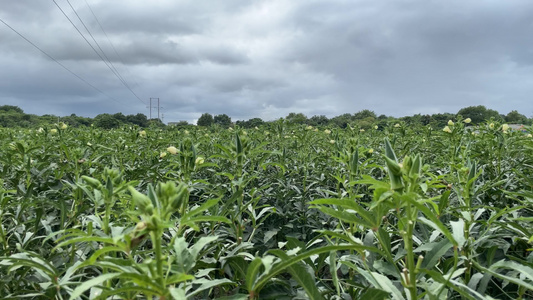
x,y
504,264
80,289
302,276
252,272
206,284
382,282
458,229
374,294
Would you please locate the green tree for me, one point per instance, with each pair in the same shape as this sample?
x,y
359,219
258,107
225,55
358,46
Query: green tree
x,y
296,118
11,108
441,120
254,122
106,121
343,120
364,114
222,120
317,120
205,119
515,117
479,114
138,119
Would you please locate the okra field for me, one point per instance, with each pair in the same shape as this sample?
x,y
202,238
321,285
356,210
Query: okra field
x,y
277,212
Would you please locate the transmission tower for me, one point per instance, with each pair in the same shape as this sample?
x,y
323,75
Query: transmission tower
x,y
151,106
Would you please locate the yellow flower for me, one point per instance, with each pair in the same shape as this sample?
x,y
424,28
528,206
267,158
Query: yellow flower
x,y
447,129
450,123
230,129
327,131
361,130
244,133
375,126
63,125
53,131
332,141
467,120
40,130
529,135
491,125
206,134
256,128
163,154
370,150
397,125
505,127
186,132
89,144
172,150
142,133
309,127
199,160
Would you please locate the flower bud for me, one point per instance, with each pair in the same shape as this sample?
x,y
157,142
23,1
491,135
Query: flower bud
x,y
172,150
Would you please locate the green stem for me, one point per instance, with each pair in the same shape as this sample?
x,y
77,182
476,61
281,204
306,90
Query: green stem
x,y
156,241
408,242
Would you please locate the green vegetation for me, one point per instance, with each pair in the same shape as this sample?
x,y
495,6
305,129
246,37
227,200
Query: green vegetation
x,y
13,116
283,211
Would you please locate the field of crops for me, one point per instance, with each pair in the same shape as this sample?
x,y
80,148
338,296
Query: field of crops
x,y
277,212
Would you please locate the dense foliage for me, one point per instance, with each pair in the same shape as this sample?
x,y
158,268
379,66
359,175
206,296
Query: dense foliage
x,y
282,211
13,116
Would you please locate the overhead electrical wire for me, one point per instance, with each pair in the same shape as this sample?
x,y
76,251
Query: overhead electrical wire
x,y
110,42
97,53
98,45
59,63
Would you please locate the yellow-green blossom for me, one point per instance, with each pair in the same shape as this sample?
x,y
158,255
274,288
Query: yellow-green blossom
x,y
163,154
332,141
505,127
447,129
450,123
467,120
172,150
53,131
491,125
397,125
199,160
142,133
327,131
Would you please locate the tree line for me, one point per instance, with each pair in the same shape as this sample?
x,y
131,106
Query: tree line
x,y
13,116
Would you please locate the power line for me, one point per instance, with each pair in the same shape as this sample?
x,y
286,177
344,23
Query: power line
x,y
109,40
62,65
94,49
98,45
103,52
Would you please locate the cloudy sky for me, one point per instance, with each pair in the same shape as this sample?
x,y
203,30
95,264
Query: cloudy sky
x,y
267,58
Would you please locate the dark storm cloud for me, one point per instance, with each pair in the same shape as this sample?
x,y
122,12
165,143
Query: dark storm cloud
x,y
268,58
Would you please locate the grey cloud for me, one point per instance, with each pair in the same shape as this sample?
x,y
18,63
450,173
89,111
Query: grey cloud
x,y
269,58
